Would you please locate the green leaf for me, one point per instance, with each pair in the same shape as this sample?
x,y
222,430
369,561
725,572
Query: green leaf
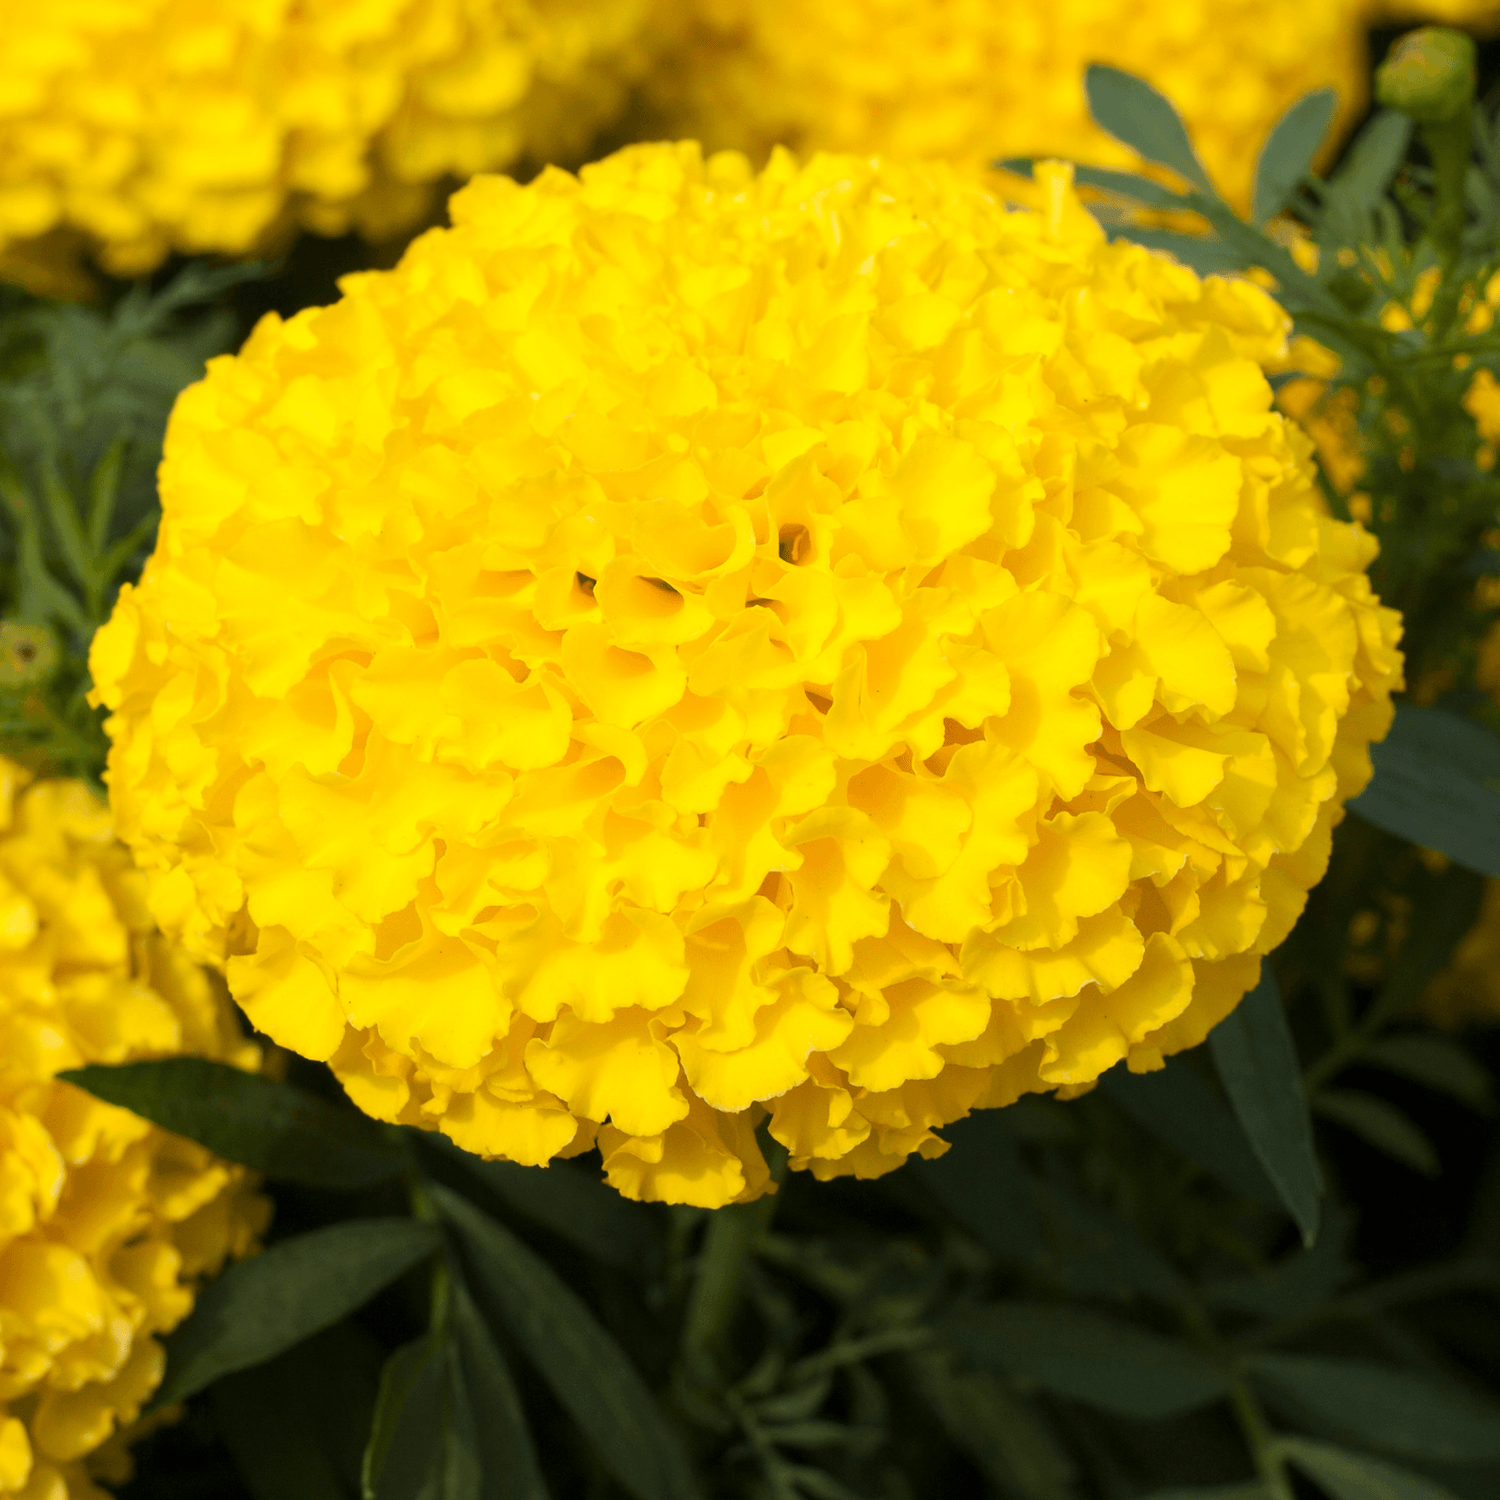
x,y
1297,1285
1124,184
1395,1410
1086,1356
1181,1108
507,1457
264,1305
1352,1476
985,1185
1135,113
1368,166
1381,1124
1257,1062
1008,1442
1437,783
296,1425
1436,1061
424,1442
1098,1253
1287,156
571,1204
587,1371
1252,1489
1206,256
284,1132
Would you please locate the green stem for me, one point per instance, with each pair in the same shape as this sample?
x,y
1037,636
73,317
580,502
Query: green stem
x,y
721,1272
1257,1434
1450,145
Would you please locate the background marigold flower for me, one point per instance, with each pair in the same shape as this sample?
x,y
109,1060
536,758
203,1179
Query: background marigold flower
x,y
199,125
106,1223
973,81
690,645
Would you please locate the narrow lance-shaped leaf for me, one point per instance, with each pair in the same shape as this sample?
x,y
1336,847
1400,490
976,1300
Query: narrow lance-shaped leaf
x,y
1087,1357
424,1442
586,1369
507,1458
1395,1410
1353,1476
1437,783
1257,1061
1381,1124
1183,1109
266,1304
281,1131
1288,153
1135,113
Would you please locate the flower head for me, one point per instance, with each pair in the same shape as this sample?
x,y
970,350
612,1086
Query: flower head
x,y
974,82
690,645
106,1223
178,124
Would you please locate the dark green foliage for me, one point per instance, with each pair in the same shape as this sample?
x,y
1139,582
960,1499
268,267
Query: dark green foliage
x,y
262,1306
284,1132
1257,1061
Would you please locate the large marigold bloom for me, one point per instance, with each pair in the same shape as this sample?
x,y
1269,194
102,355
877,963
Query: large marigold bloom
x,y
106,1223
972,80
689,644
198,125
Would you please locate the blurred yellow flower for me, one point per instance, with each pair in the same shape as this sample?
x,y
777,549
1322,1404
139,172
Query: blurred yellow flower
x,y
689,645
972,80
107,1224
202,125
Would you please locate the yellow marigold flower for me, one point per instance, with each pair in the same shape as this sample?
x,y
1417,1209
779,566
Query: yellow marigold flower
x,y
690,645
106,1223
970,81
200,125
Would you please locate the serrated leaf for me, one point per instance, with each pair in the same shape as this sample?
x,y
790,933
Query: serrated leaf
x,y
586,1369
1257,1062
1130,185
1436,1061
1437,783
1353,1476
1288,153
1143,119
284,1132
1182,1108
1381,1124
264,1305
1087,1357
1397,1411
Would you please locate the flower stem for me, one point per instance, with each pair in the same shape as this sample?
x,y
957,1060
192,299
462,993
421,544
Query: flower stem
x,y
1257,1434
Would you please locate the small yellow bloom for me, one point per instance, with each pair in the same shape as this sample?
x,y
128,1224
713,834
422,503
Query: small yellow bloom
x,y
107,1224
690,646
204,125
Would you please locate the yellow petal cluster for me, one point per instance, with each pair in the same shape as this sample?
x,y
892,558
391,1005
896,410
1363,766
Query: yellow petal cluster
x,y
200,125
106,1223
690,646
972,80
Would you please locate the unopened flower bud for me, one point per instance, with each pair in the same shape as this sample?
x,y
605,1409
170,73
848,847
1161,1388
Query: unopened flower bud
x,y
1429,75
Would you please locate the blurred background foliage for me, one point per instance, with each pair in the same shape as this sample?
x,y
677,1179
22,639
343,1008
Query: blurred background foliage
x,y
1270,1270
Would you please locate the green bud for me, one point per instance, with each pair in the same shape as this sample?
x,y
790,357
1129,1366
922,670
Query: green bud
x,y
28,655
1429,75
